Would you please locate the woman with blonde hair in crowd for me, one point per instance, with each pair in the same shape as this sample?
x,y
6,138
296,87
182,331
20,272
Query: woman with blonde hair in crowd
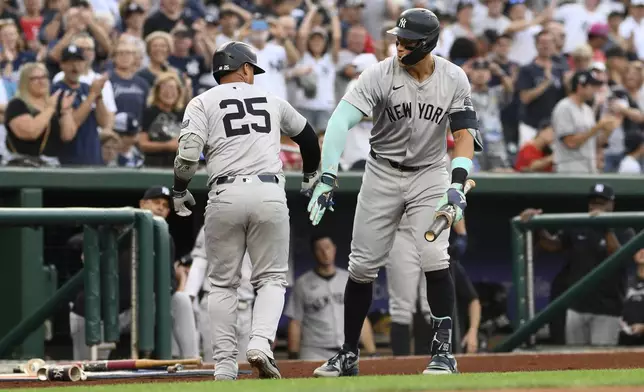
x,y
162,118
158,46
38,123
13,52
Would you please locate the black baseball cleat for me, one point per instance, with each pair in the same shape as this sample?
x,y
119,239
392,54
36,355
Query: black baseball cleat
x,y
442,362
342,364
264,364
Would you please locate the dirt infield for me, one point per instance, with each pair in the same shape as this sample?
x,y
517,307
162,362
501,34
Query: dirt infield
x,y
414,365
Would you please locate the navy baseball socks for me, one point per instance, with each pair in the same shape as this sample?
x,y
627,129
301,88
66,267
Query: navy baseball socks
x,y
400,339
357,300
440,296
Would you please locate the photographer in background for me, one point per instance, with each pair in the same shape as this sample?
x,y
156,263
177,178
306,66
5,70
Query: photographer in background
x,y
595,318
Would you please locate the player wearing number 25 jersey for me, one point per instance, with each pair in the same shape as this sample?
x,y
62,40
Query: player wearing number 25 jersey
x,y
237,126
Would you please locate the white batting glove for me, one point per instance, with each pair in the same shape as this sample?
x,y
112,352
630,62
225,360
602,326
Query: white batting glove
x,y
308,183
181,201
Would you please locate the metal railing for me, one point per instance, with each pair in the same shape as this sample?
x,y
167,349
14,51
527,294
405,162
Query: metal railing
x,y
527,323
99,277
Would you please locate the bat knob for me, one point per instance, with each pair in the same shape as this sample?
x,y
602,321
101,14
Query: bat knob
x,y
430,236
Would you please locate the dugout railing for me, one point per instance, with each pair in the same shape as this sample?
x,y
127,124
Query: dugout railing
x,y
527,323
99,278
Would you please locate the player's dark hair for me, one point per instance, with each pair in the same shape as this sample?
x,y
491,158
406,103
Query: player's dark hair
x,y
540,34
315,237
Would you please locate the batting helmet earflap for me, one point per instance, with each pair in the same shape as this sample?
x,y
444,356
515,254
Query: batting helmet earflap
x,y
231,56
421,25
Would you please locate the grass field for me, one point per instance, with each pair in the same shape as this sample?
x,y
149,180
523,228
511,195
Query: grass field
x,y
472,381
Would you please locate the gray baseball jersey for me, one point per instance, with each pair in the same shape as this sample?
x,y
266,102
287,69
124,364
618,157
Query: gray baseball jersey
x,y
240,125
410,117
410,128
318,304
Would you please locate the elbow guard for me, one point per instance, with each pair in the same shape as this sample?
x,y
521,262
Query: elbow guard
x,y
186,162
467,119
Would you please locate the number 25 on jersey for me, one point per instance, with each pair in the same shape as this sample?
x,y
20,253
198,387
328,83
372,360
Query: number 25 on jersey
x,y
242,110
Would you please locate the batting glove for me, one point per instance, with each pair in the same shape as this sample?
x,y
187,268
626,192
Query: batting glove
x,y
322,197
456,198
181,201
309,181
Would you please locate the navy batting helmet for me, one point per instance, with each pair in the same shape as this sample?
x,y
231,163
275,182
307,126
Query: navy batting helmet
x,y
231,56
418,24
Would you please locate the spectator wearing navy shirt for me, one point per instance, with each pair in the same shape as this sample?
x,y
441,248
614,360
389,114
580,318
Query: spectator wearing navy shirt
x,y
170,13
130,90
89,111
183,58
158,46
540,85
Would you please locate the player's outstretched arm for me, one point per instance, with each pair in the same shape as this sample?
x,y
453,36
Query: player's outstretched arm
x,y
345,117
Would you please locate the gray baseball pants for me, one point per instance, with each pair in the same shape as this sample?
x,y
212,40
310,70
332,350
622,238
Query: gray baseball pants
x,y
586,329
252,215
386,194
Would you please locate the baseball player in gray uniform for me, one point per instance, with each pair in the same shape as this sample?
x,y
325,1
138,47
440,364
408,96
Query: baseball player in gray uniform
x,y
316,308
197,281
415,97
237,126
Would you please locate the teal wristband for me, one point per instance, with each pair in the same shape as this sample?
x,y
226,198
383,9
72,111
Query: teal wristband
x,y
463,163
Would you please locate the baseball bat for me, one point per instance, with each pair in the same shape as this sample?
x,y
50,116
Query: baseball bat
x,y
445,216
71,373
135,364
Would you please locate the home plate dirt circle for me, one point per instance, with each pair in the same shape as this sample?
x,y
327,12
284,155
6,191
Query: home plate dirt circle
x,y
623,359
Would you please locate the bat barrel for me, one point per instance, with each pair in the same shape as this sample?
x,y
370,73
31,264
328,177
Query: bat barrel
x,y
436,229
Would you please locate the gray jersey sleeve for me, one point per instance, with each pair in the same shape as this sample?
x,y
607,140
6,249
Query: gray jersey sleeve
x,y
463,97
295,307
195,119
291,122
368,91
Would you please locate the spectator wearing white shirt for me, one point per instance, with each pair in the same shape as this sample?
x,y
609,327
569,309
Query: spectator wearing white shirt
x,y
270,57
232,20
577,19
357,148
524,30
86,43
356,36
321,54
634,144
493,20
632,28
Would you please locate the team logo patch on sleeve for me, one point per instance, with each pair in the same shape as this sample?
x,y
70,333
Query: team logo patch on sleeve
x,y
467,101
185,124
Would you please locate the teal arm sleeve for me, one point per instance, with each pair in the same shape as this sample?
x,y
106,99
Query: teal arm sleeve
x,y
344,117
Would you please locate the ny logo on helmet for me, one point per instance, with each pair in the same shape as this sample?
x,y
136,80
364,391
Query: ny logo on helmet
x,y
402,23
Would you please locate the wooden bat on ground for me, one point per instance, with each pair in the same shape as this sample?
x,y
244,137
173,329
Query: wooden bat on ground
x,y
444,217
134,364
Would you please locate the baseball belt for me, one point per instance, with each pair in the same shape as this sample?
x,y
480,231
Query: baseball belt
x,y
393,164
270,178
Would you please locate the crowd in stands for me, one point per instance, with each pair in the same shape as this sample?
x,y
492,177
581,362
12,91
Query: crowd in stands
x,y
557,85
